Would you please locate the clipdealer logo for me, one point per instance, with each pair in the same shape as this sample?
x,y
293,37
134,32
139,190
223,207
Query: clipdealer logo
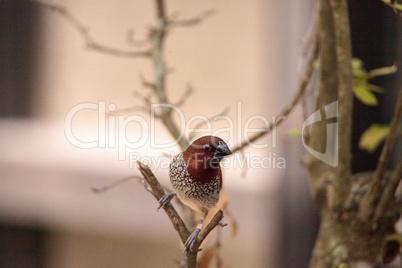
x,y
113,132
331,149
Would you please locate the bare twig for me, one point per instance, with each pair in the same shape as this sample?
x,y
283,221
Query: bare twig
x,y
341,185
132,41
304,79
189,91
193,21
367,204
115,184
178,224
191,258
83,31
308,39
389,192
145,108
158,43
215,117
145,99
389,142
158,192
156,39
325,94
328,80
146,83
117,52
211,225
244,170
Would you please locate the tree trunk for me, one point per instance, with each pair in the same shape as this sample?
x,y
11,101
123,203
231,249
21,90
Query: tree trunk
x,y
346,239
350,229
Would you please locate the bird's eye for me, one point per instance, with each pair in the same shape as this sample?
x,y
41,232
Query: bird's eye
x,y
207,147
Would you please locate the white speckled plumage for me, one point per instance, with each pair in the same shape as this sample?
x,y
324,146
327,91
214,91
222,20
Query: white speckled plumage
x,y
197,195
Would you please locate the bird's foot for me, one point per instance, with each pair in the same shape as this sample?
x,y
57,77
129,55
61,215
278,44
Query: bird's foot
x,y
191,240
165,199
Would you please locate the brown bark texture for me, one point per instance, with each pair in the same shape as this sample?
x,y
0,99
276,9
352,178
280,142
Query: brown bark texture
x,y
357,211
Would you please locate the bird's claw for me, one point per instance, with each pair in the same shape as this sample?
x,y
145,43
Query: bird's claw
x,y
165,199
191,240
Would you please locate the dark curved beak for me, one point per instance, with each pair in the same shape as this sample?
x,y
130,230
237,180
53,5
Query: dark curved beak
x,y
222,150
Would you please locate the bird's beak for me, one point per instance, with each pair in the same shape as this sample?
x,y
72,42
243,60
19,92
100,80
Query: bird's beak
x,y
222,150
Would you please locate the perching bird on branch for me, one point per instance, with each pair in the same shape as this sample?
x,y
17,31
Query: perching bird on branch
x,y
197,178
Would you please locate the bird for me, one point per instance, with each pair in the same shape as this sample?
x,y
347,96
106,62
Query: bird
x,y
196,177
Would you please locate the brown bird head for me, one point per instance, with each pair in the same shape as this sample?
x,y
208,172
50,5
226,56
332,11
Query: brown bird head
x,y
203,156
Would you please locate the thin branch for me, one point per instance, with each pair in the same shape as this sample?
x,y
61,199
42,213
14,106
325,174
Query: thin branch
x,y
161,13
158,192
191,258
198,125
304,79
117,52
158,35
137,108
341,185
327,87
367,204
211,225
245,168
308,39
146,83
156,40
132,41
193,21
189,91
146,99
114,184
174,131
389,192
158,43
89,40
389,142
326,93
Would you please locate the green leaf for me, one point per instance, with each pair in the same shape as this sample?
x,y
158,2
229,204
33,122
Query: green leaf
x,y
387,1
294,133
360,73
398,6
382,71
361,87
357,69
362,92
357,63
373,137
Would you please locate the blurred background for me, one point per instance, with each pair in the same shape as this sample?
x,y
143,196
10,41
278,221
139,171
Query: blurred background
x,y
245,57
